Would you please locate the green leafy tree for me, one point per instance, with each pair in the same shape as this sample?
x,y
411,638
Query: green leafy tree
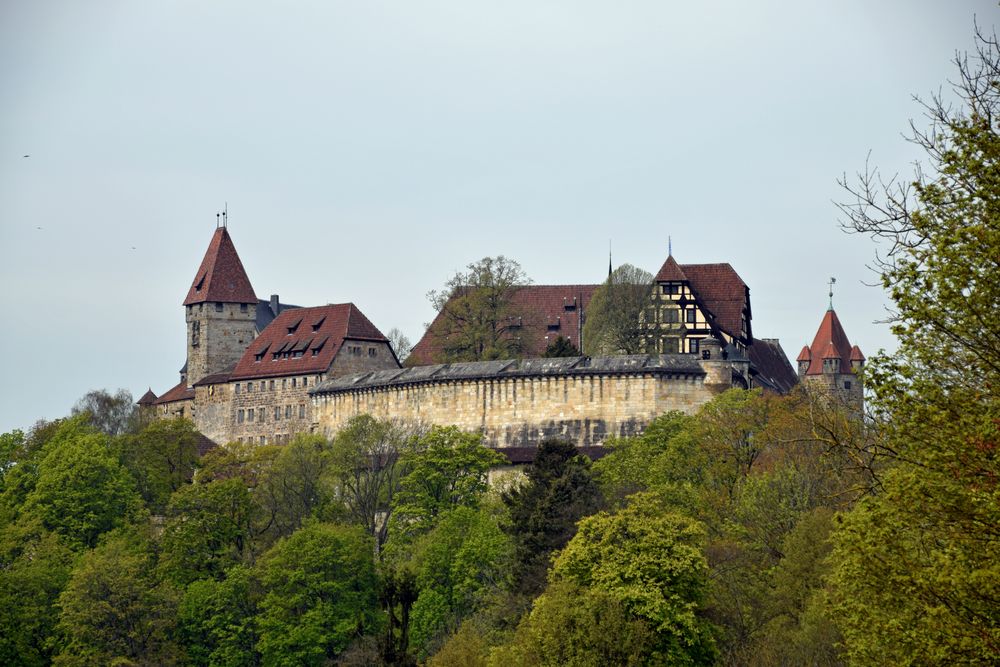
x,y
560,489
475,320
81,490
294,482
321,594
114,610
162,458
446,469
209,529
458,564
34,567
917,567
613,322
651,561
367,464
579,627
218,619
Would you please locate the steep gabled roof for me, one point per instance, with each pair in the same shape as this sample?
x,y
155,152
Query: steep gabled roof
x,y
147,399
315,335
671,271
770,366
535,310
722,292
830,343
221,276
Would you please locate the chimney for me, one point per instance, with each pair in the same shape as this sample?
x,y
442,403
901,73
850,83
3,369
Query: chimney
x,y
274,304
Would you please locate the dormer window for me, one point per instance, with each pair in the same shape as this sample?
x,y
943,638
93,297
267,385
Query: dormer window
x,y
318,323
199,282
294,326
569,305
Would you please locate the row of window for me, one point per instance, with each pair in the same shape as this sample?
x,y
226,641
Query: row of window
x,y
279,439
271,385
260,414
358,350
673,315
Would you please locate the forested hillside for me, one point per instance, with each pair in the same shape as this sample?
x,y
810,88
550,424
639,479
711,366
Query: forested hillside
x,y
764,530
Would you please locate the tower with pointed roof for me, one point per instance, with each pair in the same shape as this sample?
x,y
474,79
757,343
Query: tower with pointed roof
x,y
832,364
220,310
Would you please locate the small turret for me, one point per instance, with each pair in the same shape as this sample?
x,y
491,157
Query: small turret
x,y
832,363
804,359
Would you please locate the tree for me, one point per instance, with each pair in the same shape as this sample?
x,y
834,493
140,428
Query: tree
x,y
650,560
916,574
218,619
560,489
446,469
113,414
162,458
81,490
321,594
209,529
366,461
561,347
400,343
114,611
475,321
294,482
614,316
579,627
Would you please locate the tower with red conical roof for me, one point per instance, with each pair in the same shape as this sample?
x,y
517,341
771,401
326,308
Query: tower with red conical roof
x,y
220,310
832,363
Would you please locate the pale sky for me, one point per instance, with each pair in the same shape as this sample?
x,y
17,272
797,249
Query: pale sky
x,y
369,149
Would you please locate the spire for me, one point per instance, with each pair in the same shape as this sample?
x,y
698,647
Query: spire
x,y
609,259
221,277
830,343
670,247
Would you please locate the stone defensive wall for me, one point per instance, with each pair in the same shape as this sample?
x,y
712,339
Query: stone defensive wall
x,y
518,403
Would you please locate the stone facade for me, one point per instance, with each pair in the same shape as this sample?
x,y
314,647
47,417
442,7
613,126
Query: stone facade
x,y
518,403
217,336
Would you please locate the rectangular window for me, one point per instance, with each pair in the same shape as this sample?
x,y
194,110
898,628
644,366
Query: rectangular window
x,y
249,387
218,307
302,411
288,412
305,382
262,385
693,345
239,417
670,315
263,439
282,383
691,315
237,387
277,413
270,385
847,384
243,308
293,383
372,352
250,415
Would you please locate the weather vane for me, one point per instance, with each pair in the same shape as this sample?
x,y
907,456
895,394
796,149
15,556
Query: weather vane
x,y
833,281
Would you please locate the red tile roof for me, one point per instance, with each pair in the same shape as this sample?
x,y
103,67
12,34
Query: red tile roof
x,y
148,398
311,337
770,366
545,312
830,343
671,271
180,392
722,292
221,276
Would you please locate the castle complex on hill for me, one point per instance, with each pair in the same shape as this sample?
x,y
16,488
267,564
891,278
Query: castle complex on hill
x,y
260,371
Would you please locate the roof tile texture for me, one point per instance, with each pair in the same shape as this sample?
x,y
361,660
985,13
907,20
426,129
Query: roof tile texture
x,y
830,343
221,277
314,334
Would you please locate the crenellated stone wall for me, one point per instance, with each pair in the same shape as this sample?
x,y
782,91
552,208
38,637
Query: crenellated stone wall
x,y
517,403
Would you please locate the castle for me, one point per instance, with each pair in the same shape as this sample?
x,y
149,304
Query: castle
x,y
259,371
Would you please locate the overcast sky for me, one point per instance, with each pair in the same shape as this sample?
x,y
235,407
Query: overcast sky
x,y
369,149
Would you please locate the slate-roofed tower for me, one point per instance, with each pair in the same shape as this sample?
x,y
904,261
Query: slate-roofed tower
x,y
832,363
220,310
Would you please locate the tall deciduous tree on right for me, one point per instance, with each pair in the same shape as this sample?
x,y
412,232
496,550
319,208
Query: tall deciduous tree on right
x,y
917,567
